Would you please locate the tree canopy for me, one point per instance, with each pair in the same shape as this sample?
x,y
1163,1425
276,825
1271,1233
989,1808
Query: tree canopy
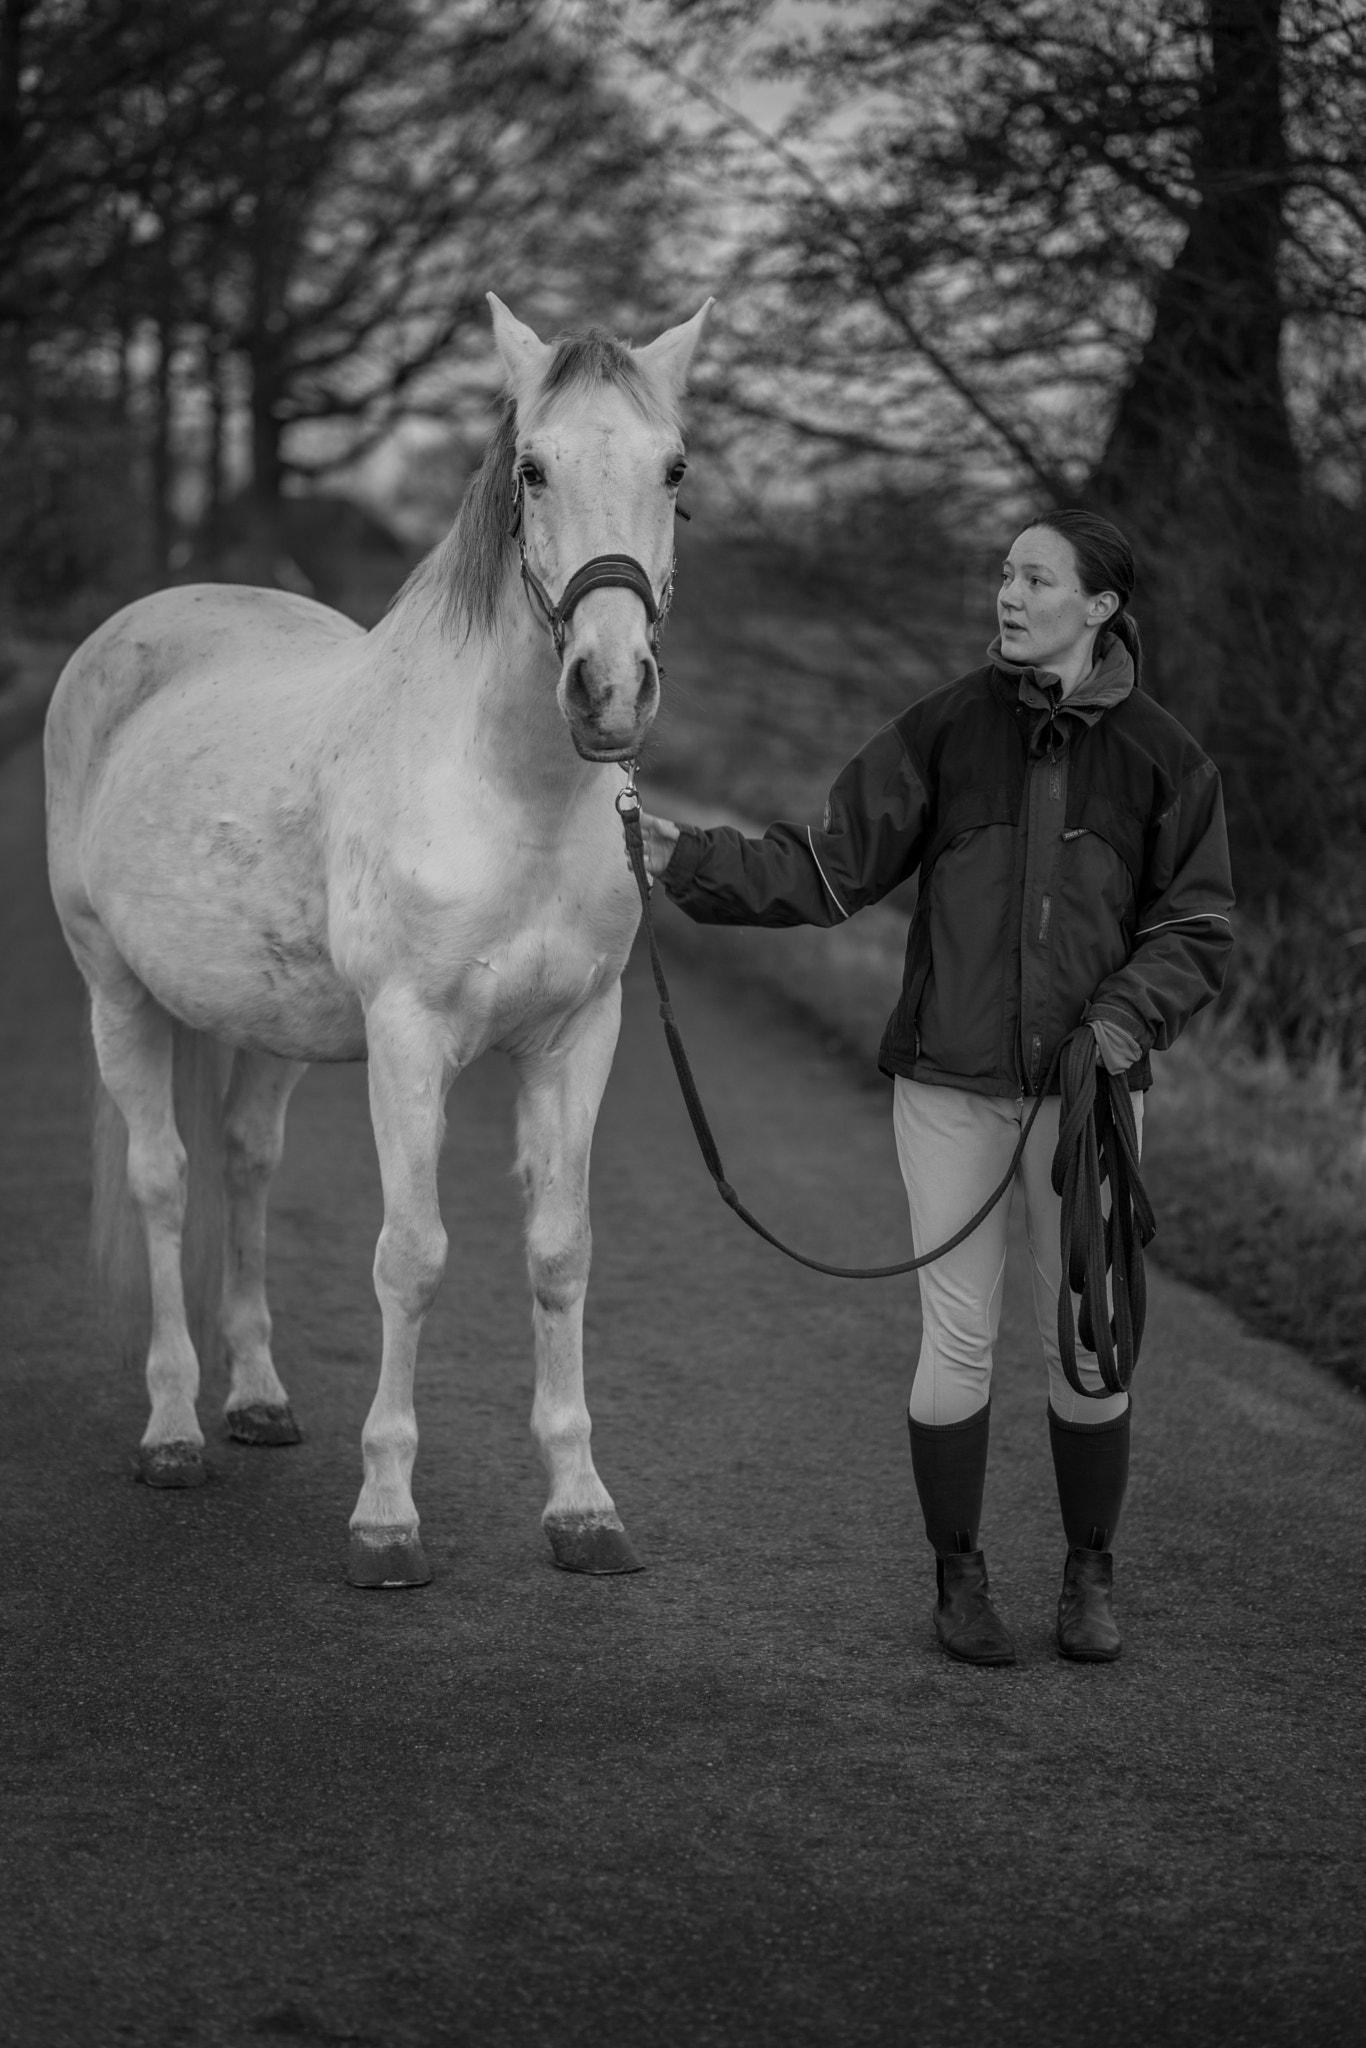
x,y
290,210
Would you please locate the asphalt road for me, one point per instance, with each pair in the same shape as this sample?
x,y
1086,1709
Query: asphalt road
x,y
739,1799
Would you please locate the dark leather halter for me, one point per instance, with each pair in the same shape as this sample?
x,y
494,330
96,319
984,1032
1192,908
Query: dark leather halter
x,y
603,572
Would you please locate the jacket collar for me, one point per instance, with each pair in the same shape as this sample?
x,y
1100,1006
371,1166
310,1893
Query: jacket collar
x,y
1109,683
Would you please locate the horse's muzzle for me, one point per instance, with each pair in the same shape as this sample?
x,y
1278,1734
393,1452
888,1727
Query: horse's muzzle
x,y
608,717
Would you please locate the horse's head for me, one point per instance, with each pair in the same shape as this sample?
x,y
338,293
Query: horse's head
x,y
598,462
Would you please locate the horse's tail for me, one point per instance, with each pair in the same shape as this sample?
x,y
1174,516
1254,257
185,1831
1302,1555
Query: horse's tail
x,y
118,1246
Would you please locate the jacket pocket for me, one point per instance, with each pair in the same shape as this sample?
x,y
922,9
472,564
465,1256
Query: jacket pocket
x,y
902,1035
1093,925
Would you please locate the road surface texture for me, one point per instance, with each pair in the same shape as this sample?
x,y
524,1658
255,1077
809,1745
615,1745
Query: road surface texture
x,y
738,1799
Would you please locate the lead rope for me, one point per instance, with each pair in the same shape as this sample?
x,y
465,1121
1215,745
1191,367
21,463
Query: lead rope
x,y
1091,1242
1098,1140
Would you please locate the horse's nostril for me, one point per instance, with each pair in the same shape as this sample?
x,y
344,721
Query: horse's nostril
x,y
576,690
649,681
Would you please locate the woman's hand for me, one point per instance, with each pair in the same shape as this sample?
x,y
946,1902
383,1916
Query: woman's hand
x,y
660,836
1118,1049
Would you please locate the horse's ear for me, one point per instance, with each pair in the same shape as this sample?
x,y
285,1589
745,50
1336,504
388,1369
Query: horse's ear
x,y
525,356
670,357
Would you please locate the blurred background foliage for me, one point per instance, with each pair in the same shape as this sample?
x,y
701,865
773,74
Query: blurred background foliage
x,y
972,257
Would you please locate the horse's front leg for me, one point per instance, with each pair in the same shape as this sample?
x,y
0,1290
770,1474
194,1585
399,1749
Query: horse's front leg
x,y
557,1108
409,1075
257,1408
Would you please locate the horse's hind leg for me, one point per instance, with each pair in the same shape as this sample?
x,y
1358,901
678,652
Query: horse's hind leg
x,y
556,1111
257,1409
133,1045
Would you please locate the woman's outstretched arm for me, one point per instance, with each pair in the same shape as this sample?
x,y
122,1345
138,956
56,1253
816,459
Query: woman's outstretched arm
x,y
871,839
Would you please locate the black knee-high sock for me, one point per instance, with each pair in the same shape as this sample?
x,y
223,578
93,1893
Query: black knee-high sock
x,y
1091,1463
949,1460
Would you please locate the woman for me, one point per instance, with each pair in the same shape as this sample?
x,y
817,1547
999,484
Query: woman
x,y
1069,836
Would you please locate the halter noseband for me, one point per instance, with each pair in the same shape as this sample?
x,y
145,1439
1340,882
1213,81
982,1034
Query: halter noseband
x,y
603,572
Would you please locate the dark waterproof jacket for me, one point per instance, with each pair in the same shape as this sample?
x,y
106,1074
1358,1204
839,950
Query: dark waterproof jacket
x,y
1073,863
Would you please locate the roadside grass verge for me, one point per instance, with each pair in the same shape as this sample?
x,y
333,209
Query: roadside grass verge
x,y
1258,1176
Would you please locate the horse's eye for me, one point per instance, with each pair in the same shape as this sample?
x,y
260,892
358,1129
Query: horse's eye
x,y
530,473
677,472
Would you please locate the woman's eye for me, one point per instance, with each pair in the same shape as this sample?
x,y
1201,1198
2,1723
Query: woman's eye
x,y
677,472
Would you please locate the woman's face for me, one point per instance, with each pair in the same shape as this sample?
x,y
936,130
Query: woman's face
x,y
1047,620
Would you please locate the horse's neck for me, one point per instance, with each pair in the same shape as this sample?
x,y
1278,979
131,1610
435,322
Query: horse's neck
x,y
487,699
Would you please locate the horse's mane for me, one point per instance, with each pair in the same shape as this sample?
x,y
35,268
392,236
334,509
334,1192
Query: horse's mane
x,y
468,569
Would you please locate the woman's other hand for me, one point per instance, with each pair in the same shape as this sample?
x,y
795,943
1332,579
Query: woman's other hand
x,y
660,836
1119,1049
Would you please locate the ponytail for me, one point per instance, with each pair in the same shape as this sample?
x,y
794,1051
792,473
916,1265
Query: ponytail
x,y
1125,626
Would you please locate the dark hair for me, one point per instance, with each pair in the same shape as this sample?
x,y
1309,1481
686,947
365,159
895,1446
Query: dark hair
x,y
1105,561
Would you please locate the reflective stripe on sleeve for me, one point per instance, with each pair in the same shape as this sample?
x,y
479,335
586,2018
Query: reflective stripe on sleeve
x,y
824,877
1196,917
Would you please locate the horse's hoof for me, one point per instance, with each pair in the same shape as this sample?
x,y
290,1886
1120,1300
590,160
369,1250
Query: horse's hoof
x,y
258,1423
175,1464
598,1547
384,1558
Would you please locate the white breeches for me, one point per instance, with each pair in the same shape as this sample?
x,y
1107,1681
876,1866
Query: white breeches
x,y
954,1148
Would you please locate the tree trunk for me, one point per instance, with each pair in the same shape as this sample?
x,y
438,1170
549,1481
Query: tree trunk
x,y
215,383
12,14
162,413
1201,468
267,470
14,339
1209,381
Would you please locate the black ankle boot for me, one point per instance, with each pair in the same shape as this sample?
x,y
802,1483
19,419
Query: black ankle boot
x,y
1087,1630
965,1621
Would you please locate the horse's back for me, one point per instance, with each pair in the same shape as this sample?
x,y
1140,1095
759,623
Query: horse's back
x,y
174,637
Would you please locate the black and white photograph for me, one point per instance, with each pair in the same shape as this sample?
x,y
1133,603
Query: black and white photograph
x,y
683,1023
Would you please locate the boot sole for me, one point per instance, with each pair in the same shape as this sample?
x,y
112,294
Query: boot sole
x,y
990,1658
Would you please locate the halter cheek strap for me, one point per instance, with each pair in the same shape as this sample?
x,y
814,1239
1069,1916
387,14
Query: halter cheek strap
x,y
622,572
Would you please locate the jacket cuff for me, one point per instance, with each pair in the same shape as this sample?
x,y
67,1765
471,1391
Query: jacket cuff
x,y
1114,1010
684,859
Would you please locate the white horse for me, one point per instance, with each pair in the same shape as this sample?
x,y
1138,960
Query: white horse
x,y
274,838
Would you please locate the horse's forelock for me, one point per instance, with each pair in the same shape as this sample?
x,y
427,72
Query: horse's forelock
x,y
581,361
